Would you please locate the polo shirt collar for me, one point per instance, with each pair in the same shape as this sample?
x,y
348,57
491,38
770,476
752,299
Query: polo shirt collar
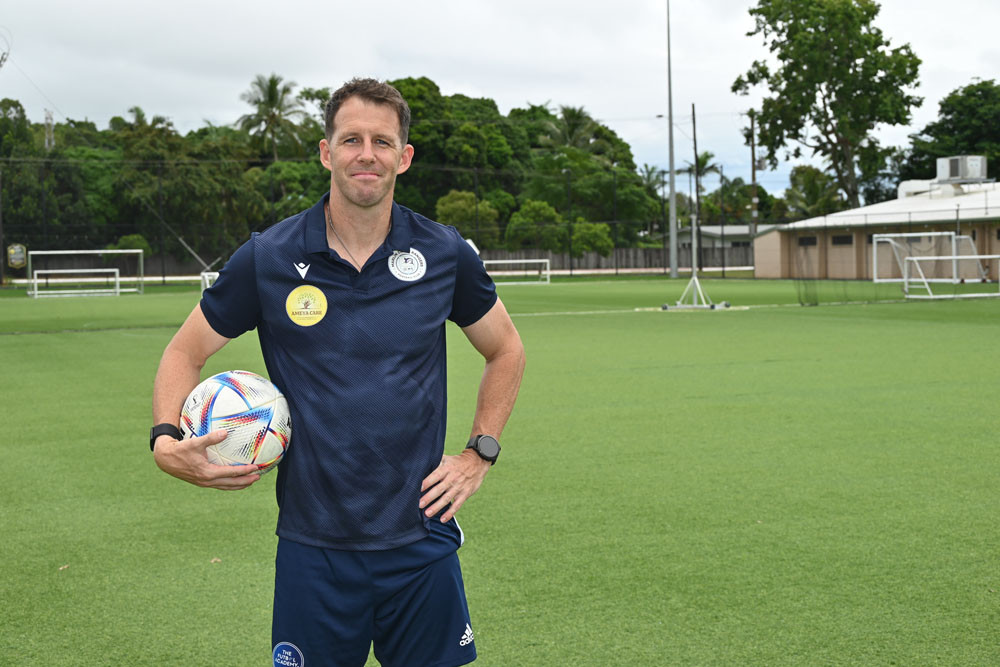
x,y
400,236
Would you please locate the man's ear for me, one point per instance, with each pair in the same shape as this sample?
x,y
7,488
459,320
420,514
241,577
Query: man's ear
x,y
406,159
324,154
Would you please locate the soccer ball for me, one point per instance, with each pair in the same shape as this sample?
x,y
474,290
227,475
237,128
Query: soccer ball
x,y
250,408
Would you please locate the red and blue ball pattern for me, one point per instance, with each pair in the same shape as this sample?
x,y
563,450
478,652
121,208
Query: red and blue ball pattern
x,y
250,408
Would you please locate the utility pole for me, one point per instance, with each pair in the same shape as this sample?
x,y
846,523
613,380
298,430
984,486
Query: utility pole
x,y
670,135
3,248
50,138
696,231
722,215
753,180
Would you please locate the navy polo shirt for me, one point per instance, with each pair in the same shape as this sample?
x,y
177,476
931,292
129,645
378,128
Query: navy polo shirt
x,y
360,356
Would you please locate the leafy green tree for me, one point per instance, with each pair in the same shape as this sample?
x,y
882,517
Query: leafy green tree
x,y
536,225
968,123
592,237
276,112
836,79
459,208
812,192
132,242
503,202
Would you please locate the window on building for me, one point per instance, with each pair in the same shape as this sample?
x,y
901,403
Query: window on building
x,y
807,240
842,239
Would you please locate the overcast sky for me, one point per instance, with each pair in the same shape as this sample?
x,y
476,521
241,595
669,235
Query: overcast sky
x,y
190,61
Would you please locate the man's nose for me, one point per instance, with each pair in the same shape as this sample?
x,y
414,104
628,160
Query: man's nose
x,y
367,152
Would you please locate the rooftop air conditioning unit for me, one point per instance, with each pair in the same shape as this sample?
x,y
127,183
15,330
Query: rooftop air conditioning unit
x,y
961,169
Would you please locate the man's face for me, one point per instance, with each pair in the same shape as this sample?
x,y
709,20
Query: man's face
x,y
365,153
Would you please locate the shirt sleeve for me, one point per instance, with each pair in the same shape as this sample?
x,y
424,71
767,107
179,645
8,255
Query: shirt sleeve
x,y
475,292
231,304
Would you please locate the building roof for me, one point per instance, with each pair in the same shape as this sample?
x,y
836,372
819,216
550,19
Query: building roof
x,y
930,202
730,230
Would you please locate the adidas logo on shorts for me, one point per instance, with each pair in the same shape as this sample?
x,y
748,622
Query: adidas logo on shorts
x,y
467,636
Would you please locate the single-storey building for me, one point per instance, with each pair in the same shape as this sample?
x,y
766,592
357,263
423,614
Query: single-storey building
x,y
840,245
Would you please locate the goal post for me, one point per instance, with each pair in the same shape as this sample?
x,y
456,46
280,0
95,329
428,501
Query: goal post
x,y
54,273
208,279
519,271
915,277
945,257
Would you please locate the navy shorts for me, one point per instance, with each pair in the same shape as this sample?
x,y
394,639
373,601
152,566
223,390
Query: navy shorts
x,y
330,605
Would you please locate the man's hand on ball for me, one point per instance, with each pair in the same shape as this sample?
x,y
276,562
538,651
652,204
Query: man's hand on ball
x,y
453,481
187,460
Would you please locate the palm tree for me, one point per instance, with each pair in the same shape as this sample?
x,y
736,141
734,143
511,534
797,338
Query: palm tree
x,y
275,113
652,178
574,127
812,192
704,167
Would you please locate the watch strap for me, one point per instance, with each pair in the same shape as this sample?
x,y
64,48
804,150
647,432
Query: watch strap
x,y
474,444
163,429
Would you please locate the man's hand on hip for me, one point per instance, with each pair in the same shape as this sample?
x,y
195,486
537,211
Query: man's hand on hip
x,y
452,482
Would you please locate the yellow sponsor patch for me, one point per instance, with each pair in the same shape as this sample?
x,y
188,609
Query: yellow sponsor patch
x,y
306,305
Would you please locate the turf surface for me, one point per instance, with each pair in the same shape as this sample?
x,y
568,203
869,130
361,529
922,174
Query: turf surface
x,y
778,485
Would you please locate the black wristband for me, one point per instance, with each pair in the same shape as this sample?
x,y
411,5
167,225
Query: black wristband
x,y
163,429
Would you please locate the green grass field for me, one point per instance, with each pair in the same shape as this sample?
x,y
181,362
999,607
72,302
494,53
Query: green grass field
x,y
769,486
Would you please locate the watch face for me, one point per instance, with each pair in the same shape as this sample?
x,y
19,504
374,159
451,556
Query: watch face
x,y
488,446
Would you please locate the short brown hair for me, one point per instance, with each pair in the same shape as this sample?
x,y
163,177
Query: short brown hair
x,y
375,92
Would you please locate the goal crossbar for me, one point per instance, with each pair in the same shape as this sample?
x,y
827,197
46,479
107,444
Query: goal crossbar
x,y
914,278
33,284
544,270
901,253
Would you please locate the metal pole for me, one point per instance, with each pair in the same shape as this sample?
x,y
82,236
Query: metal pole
x,y
614,216
475,176
696,230
569,220
722,212
3,247
670,135
163,245
753,180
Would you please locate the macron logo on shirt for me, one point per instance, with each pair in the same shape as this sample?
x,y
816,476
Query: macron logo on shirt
x,y
302,269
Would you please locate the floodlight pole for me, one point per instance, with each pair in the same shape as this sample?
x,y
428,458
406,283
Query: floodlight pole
x,y
698,298
670,136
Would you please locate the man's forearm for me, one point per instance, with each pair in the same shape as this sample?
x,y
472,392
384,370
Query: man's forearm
x,y
497,391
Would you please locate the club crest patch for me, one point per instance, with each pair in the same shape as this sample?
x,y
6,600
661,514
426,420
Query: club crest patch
x,y
286,654
407,266
306,305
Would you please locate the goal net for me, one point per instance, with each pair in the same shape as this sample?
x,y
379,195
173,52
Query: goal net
x,y
943,257
916,284
519,271
54,273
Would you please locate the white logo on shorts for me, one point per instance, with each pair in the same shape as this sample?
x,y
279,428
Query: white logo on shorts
x,y
467,637
286,654
407,266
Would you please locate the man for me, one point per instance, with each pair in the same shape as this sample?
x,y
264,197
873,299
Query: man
x,y
349,299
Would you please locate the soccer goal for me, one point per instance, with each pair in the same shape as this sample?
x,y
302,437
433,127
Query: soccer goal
x,y
208,279
54,273
944,257
519,271
915,270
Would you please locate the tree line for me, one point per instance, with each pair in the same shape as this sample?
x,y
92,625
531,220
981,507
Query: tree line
x,y
542,177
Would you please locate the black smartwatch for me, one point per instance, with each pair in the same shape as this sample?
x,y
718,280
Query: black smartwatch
x,y
163,429
486,446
